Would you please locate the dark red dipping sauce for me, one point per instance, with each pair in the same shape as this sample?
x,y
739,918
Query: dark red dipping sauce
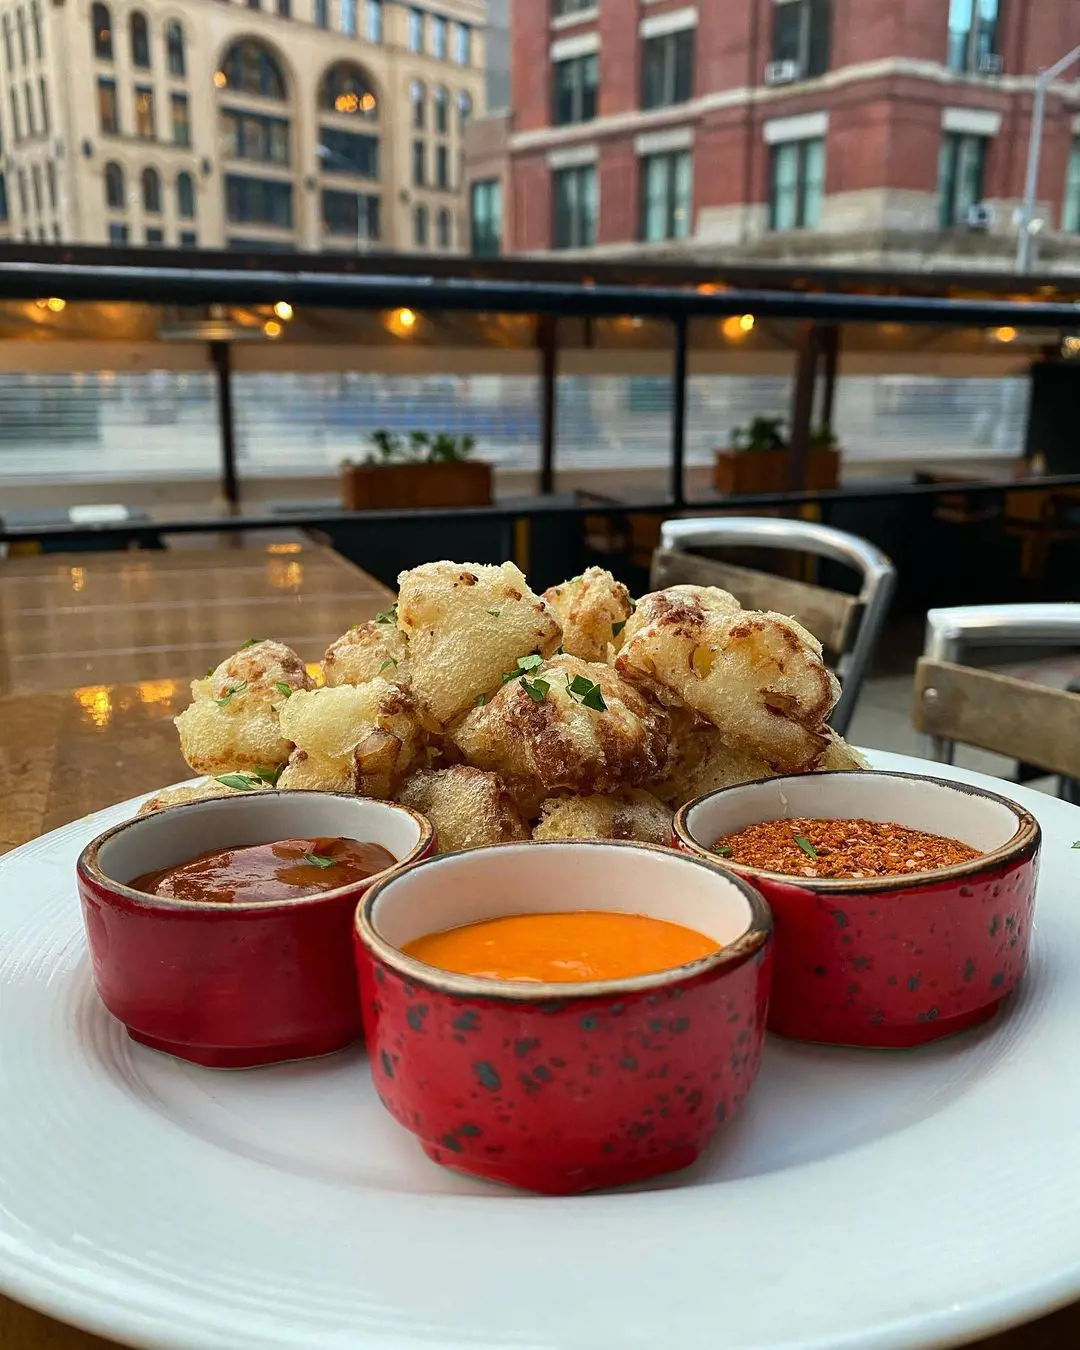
x,y
256,873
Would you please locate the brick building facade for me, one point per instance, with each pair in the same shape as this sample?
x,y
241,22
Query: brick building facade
x,y
850,131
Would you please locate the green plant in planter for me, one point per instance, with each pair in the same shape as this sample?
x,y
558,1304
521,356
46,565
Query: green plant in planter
x,y
823,438
418,448
763,433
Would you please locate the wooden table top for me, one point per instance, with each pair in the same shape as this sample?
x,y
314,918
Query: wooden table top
x,y
95,654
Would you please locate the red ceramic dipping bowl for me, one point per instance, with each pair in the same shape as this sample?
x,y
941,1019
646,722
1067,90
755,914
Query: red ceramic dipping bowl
x,y
890,961
560,1088
233,986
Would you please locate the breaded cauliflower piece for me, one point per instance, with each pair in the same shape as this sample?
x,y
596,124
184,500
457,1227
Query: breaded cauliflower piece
x,y
544,738
630,814
758,677
375,726
656,604
312,772
467,806
466,626
197,792
366,652
840,756
593,610
701,762
258,669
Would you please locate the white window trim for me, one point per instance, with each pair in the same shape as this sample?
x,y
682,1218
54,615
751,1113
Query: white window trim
x,y
660,142
674,21
971,121
804,127
584,44
578,17
573,157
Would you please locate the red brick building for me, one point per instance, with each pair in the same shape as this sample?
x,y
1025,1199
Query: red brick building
x,y
854,131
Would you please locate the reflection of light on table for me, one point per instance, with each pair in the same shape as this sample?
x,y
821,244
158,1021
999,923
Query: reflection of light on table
x,y
156,691
96,701
285,576
284,548
78,578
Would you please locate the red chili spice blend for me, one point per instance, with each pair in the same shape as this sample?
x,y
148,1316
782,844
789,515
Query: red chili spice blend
x,y
840,849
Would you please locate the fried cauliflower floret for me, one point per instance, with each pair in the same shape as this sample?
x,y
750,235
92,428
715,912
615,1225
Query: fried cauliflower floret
x,y
257,670
366,652
593,610
840,756
656,604
757,677
467,806
198,792
309,771
544,738
376,727
467,625
701,762
631,814
239,733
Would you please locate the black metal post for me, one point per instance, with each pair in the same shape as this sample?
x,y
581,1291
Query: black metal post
x,y
802,405
221,360
678,415
830,363
547,341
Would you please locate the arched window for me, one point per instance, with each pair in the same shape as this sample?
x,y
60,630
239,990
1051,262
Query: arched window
x,y
35,19
442,229
348,88
101,23
140,40
115,194
151,192
185,196
174,50
442,110
250,67
418,99
420,222
464,107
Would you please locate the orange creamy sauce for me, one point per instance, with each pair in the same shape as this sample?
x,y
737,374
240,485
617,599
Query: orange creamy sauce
x,y
562,948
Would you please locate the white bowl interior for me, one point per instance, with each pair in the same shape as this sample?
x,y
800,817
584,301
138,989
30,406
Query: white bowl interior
x,y
557,878
168,838
917,803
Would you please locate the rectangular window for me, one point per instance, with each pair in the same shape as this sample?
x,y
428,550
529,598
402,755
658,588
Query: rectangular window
x,y
144,112
961,169
322,14
576,202
118,233
797,185
43,94
16,117
667,186
802,33
420,226
351,214
442,167
9,59
258,201
374,20
416,30
562,7
667,69
50,182
284,9
108,108
3,198
486,218
181,121
31,121
349,152
419,163
973,35
348,17
576,83
24,203
438,37
20,25
253,136
1070,216
189,239
39,41
155,237
35,179
463,44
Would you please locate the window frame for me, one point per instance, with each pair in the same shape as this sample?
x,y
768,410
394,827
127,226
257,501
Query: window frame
x,y
672,162
951,175
485,227
966,47
583,183
809,41
575,90
808,190
139,40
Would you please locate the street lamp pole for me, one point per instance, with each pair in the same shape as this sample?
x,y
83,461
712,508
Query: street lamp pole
x,y
1025,245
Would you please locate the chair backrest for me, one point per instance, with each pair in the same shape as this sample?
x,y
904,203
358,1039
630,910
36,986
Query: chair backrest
x,y
847,625
955,703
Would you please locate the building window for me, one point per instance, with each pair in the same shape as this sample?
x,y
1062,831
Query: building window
x,y
667,187
254,136
797,184
185,196
151,192
28,99
181,119
347,14
348,88
563,7
20,28
43,95
155,237
254,4
464,104
442,110
284,9
438,37
374,20
140,40
1070,216
576,83
39,39
16,118
443,229
577,203
9,56
322,14
101,22
35,178
419,163
50,183
258,201
24,204
353,214
802,30
667,69
115,192
961,169
108,108
485,203
189,239
3,198
418,100
420,226
352,152
442,167
416,30
250,67
174,50
463,44
973,26
144,112
118,233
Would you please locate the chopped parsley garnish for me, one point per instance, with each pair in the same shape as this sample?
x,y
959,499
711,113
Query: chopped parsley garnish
x,y
536,690
389,664
616,628
587,693
724,851
270,775
251,642
285,690
494,613
316,861
524,665
1077,844
242,782
209,671
232,689
806,846
388,615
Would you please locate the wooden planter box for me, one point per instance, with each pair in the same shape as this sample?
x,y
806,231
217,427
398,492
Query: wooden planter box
x,y
377,487
752,471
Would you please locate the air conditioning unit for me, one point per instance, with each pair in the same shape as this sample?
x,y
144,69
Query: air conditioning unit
x,y
990,63
981,216
782,72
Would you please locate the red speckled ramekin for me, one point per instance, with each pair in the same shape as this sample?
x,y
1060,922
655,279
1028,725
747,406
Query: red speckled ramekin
x,y
233,986
560,1088
891,961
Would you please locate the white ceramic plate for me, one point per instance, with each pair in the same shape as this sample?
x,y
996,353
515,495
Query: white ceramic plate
x,y
865,1199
